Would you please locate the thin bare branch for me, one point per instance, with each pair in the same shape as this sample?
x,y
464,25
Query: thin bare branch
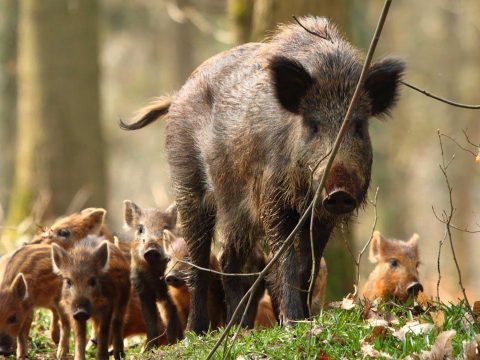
x,y
374,225
436,97
449,217
341,134
460,146
468,139
324,37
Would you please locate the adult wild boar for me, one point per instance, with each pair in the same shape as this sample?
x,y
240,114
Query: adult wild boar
x,y
243,137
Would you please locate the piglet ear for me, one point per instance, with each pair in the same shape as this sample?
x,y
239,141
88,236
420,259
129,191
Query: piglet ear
x,y
59,258
19,287
94,218
102,255
132,214
171,214
375,247
291,82
168,238
413,243
382,84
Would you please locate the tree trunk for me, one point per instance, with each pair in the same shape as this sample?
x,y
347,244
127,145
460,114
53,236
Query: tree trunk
x,y
240,13
8,95
60,152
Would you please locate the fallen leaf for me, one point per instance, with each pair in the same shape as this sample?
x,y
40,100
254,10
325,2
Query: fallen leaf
x,y
438,318
413,327
377,331
322,356
377,322
348,302
368,350
470,350
442,348
422,300
476,308
316,330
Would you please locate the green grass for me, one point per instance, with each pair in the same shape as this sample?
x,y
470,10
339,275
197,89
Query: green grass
x,y
335,333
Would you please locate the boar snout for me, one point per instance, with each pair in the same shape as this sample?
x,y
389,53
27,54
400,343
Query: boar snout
x,y
83,311
339,202
342,190
175,279
153,256
414,288
6,343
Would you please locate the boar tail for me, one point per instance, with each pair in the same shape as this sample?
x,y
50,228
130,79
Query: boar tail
x,y
157,108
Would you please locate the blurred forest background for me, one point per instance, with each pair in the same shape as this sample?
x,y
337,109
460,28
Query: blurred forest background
x,y
70,69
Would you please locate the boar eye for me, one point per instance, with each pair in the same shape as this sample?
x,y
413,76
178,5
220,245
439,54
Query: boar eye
x,y
68,282
63,233
140,229
12,319
92,282
394,263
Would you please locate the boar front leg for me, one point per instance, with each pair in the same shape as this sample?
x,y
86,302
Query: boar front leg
x,y
103,335
283,279
232,261
80,330
22,340
118,324
149,310
321,234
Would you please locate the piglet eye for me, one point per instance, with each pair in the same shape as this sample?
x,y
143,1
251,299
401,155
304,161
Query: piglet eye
x,y
140,229
12,319
394,263
68,282
92,282
64,233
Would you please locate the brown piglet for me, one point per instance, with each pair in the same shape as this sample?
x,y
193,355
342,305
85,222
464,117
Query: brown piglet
x,y
149,261
176,276
396,272
28,283
96,285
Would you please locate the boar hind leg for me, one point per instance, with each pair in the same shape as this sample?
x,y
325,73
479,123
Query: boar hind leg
x,y
236,287
22,341
118,324
198,225
63,345
54,328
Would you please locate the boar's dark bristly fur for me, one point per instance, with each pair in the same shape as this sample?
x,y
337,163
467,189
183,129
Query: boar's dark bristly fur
x,y
243,136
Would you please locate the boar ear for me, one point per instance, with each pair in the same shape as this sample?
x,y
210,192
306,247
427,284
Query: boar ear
x,y
375,247
102,255
94,218
291,82
59,258
171,214
132,214
382,84
19,287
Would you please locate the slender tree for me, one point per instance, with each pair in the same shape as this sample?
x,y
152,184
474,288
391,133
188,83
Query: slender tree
x,y
60,150
8,92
